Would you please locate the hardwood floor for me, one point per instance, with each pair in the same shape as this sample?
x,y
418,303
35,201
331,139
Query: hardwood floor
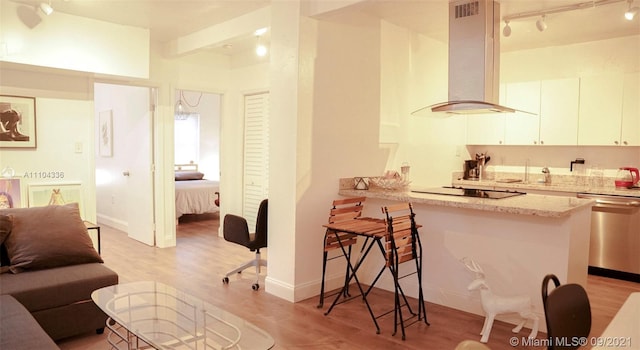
x,y
200,259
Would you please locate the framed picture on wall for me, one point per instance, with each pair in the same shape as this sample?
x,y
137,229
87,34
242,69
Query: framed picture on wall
x,y
105,139
56,194
10,193
17,122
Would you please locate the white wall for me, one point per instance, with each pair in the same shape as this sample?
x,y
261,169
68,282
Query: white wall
x,y
337,126
71,42
64,126
414,75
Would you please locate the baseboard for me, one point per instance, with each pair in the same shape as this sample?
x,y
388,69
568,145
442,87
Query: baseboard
x,y
112,222
620,275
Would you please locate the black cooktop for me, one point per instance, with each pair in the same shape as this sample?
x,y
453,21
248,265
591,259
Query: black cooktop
x,y
469,192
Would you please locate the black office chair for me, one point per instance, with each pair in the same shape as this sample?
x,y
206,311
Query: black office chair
x,y
568,314
236,230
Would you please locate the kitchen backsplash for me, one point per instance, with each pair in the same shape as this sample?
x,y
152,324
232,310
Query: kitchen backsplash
x,y
557,158
558,180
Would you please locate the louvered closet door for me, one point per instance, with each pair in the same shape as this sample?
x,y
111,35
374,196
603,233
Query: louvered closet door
x,y
256,154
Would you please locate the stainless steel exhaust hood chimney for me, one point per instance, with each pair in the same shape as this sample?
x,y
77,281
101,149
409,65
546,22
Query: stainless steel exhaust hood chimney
x,y
474,59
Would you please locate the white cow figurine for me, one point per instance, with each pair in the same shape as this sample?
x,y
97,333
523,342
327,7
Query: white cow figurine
x,y
494,304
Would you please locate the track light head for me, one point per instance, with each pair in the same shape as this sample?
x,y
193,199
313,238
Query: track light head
x,y
46,8
541,24
506,31
631,13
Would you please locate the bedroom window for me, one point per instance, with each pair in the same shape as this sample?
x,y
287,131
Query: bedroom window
x,y
187,139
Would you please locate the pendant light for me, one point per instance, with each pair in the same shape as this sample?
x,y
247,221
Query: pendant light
x,y
506,31
180,110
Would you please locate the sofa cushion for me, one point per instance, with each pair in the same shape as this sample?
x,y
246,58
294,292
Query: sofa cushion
x,y
18,329
46,237
46,289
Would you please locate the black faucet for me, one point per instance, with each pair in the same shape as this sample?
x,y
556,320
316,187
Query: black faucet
x,y
577,161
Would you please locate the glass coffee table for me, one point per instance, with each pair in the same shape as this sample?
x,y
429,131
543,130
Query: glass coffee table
x,y
150,314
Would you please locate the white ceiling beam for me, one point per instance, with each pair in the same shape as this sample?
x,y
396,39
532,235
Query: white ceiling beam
x,y
243,25
319,7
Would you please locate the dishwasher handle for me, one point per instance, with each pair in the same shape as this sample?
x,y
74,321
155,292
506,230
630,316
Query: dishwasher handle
x,y
618,204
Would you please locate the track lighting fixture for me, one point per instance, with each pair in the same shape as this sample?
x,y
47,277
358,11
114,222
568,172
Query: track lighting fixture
x,y
541,24
506,31
46,8
631,11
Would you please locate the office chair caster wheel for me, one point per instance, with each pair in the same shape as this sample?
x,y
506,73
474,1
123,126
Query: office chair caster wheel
x,y
225,280
255,286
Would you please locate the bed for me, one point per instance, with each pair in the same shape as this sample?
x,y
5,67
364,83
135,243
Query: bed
x,y
194,193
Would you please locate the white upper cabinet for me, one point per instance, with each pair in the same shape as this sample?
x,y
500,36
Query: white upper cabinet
x,y
523,128
559,100
600,117
487,129
630,130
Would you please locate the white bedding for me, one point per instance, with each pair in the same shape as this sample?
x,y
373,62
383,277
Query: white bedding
x,y
196,197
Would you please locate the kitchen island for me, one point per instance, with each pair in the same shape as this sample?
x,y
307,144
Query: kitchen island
x,y
516,241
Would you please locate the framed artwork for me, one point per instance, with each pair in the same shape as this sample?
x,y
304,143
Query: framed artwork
x,y
105,139
56,194
17,122
10,193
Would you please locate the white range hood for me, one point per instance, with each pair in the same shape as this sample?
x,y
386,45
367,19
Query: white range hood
x,y
474,59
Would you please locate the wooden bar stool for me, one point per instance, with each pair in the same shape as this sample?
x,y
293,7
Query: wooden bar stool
x,y
342,210
403,245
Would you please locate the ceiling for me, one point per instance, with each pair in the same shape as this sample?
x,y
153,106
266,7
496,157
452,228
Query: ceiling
x,y
171,19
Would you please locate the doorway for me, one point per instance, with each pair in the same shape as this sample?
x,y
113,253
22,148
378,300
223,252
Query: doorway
x,y
197,149
124,160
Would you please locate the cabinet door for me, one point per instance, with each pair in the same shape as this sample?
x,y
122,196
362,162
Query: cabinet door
x,y
523,128
630,131
600,115
485,129
559,101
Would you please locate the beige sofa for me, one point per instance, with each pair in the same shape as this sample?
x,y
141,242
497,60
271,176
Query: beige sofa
x,y
50,269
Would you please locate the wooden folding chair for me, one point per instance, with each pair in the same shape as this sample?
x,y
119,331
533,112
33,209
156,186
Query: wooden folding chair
x,y
403,245
341,211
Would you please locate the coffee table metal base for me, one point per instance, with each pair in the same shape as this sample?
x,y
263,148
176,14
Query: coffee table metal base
x,y
144,315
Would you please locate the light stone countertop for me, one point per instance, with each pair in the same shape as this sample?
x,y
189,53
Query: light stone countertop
x,y
557,186
529,204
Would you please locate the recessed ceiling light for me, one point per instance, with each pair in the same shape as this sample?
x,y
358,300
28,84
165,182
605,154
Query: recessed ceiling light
x,y
261,50
260,31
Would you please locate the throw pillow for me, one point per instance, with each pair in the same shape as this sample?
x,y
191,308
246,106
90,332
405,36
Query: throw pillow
x,y
189,175
47,237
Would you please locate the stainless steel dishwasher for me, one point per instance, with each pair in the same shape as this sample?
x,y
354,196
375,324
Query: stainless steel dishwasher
x,y
614,250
